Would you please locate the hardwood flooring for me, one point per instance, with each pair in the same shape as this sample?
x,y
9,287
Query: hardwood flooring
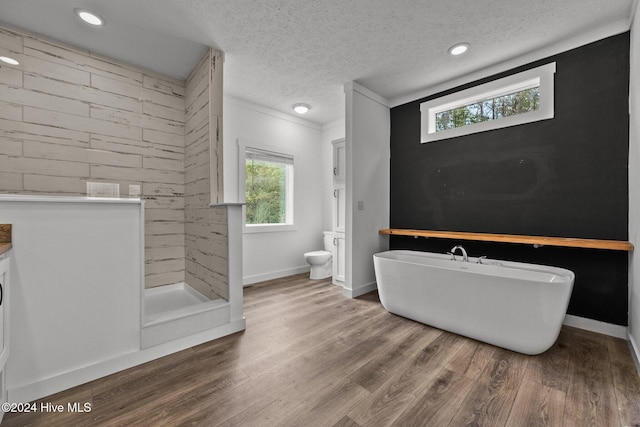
x,y
312,357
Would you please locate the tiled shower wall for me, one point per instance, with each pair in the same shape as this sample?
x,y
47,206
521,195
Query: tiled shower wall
x,y
205,226
68,116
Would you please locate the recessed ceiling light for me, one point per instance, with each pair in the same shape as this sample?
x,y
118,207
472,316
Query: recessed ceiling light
x,y
89,17
301,108
9,60
458,49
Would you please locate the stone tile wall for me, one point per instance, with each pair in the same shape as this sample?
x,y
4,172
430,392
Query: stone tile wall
x,y
68,117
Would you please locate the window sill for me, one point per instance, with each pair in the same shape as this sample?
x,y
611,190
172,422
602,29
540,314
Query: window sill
x,y
268,228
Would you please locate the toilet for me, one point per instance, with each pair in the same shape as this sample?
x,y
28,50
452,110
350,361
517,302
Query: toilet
x,y
320,261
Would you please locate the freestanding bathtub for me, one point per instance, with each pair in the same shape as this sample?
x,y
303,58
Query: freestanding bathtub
x,y
512,305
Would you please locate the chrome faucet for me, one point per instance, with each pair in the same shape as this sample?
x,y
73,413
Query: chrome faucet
x,y
465,257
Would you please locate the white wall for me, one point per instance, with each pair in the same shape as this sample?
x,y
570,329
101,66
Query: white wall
x,y
634,187
368,128
330,132
276,254
76,284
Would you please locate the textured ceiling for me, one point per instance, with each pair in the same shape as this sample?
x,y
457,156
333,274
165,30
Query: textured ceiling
x,y
279,52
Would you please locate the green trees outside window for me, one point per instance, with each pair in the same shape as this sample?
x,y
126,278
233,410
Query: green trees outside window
x,y
489,109
266,192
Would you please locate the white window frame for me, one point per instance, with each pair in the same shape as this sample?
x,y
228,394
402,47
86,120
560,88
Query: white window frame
x,y
242,190
542,76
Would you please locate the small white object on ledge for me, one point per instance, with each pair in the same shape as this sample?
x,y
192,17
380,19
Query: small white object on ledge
x,y
103,189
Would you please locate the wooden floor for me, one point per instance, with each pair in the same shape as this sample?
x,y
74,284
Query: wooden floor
x,y
312,357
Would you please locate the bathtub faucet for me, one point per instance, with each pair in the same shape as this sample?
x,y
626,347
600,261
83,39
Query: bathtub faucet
x,y
465,258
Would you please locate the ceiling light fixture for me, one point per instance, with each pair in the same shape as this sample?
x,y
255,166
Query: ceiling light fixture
x,y
9,60
458,49
89,17
301,108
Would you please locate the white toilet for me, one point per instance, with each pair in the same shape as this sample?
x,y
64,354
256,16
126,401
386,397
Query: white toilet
x,y
320,261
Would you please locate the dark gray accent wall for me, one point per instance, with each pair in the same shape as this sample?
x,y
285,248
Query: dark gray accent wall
x,y
563,177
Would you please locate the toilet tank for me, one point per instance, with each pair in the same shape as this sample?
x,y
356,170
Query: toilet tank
x,y
328,240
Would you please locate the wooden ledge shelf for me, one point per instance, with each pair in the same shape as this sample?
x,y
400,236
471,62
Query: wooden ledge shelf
x,y
614,245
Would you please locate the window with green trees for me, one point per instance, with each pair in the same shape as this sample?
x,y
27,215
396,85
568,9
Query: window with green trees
x,y
511,104
268,187
516,99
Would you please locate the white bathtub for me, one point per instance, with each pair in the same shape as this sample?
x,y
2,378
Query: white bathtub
x,y
512,305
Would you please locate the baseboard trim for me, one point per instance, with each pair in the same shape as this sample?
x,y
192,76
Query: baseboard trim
x,y
49,386
596,326
635,351
250,280
360,290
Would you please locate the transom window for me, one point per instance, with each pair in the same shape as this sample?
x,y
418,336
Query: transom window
x,y
490,109
521,98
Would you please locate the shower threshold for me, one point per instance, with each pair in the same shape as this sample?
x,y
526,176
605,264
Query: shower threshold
x,y
174,311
